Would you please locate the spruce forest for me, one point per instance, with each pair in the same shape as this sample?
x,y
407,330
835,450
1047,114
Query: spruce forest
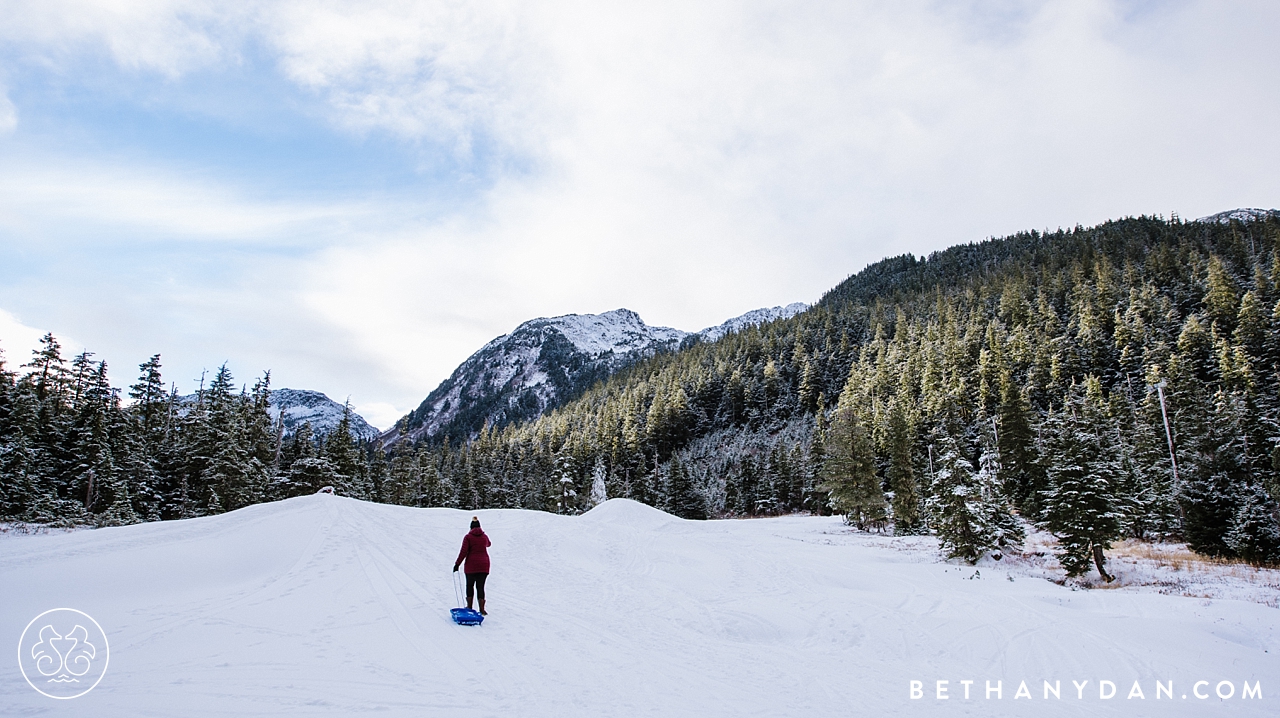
x,y
1119,381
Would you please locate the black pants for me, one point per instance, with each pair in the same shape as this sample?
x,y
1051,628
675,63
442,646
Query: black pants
x,y
475,585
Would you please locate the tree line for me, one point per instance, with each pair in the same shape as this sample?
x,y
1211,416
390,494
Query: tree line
x,y
1106,382
73,451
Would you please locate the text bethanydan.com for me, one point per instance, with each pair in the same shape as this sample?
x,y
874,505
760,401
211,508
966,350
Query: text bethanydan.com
x,y
1085,690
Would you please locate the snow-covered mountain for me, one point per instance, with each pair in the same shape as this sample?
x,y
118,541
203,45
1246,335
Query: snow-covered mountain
x,y
534,368
1244,214
303,405
546,362
750,319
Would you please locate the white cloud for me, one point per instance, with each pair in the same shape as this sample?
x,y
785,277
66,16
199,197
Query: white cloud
x,y
687,160
381,414
17,341
166,36
446,70
162,203
699,160
8,113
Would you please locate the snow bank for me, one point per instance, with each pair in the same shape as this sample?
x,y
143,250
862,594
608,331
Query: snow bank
x,y
323,605
625,512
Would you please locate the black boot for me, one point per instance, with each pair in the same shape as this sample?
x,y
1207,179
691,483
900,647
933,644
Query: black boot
x,y
482,613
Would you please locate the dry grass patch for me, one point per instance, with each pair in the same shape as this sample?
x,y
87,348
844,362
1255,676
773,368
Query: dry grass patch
x,y
1168,568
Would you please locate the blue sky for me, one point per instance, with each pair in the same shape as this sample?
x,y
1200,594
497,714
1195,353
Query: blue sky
x,y
357,195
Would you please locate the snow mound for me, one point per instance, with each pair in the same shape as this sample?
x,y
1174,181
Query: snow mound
x,y
633,514
327,606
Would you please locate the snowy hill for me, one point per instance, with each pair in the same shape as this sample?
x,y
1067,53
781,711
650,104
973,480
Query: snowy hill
x,y
302,405
326,606
545,362
1244,214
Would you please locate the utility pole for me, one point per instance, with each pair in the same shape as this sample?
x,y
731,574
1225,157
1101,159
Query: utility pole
x,y
995,432
1164,413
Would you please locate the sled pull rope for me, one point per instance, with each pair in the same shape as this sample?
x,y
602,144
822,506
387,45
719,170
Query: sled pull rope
x,y
457,589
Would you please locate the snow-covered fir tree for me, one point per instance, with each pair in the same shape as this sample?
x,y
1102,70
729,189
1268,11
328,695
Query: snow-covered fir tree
x,y
1019,470
599,486
907,520
565,477
1255,533
1080,506
970,514
849,472
682,499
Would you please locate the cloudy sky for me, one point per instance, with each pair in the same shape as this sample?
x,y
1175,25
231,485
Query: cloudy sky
x,y
357,195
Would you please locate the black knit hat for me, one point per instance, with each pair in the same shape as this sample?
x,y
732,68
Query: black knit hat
x,y
475,522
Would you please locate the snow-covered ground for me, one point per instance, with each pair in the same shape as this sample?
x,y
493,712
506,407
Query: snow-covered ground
x,y
328,606
1139,566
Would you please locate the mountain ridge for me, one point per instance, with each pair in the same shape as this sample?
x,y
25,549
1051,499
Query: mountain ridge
x,y
1240,214
546,361
300,406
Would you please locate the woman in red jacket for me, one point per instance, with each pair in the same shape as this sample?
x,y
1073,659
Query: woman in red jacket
x,y
475,550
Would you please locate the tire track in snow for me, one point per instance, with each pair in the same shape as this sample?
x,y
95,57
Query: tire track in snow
x,y
297,573
457,650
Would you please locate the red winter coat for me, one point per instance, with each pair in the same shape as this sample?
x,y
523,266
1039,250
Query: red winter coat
x,y
475,549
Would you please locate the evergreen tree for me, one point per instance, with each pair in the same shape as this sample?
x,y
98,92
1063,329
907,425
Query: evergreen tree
x,y
849,472
1220,301
1214,473
94,472
813,498
13,498
682,499
969,515
1148,497
599,488
1080,506
1019,468
307,475
1255,533
906,496
342,452
565,477
49,376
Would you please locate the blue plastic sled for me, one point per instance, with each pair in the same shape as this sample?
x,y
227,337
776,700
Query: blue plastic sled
x,y
466,616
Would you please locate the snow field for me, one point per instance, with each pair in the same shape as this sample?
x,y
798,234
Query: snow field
x,y
324,605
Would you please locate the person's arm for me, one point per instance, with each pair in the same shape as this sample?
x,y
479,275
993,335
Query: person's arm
x,y
487,542
466,546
